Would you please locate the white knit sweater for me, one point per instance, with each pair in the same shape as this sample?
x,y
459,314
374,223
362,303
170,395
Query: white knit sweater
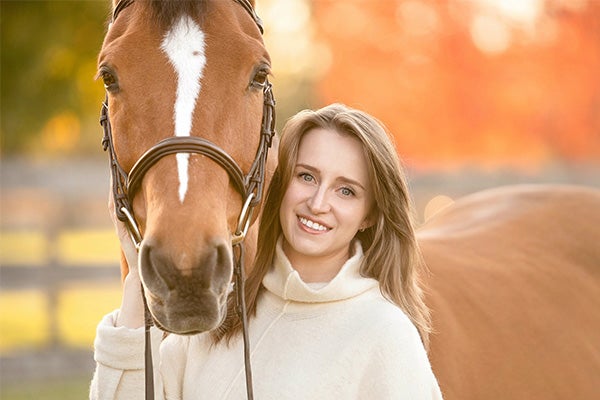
x,y
342,341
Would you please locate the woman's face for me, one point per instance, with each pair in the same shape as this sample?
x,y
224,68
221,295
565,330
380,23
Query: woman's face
x,y
327,201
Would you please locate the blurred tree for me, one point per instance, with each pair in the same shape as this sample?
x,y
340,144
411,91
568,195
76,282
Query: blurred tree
x,y
488,82
48,62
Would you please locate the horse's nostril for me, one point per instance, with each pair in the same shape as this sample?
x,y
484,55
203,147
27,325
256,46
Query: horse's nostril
x,y
164,268
215,268
153,264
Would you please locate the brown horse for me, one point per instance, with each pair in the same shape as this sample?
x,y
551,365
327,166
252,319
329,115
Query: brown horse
x,y
514,288
187,92
514,284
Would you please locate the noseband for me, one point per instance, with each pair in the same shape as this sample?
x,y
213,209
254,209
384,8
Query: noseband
x,y
250,186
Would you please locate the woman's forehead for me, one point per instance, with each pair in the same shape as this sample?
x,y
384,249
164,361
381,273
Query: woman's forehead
x,y
332,152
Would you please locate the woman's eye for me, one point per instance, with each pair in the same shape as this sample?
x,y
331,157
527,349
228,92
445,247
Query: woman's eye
x,y
306,177
347,191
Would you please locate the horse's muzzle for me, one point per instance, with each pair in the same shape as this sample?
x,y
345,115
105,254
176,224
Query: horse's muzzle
x,y
186,291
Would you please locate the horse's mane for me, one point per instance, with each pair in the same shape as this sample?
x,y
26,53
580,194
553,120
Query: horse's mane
x,y
164,12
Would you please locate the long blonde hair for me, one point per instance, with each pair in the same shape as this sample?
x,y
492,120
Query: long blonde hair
x,y
391,251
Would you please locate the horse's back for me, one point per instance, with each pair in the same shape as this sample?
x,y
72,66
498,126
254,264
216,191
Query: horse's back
x,y
514,288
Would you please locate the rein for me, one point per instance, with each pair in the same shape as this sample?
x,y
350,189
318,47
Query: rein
x,y
250,186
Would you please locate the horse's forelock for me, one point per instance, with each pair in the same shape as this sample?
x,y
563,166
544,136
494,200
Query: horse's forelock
x,y
166,11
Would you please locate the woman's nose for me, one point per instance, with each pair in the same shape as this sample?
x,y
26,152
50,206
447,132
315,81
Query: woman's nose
x,y
319,203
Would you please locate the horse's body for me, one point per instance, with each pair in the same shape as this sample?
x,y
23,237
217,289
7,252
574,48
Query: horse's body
x,y
184,69
514,287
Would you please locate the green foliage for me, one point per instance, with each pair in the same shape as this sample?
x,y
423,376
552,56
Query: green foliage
x,y
48,55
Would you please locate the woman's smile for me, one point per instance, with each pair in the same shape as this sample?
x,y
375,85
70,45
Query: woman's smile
x,y
312,225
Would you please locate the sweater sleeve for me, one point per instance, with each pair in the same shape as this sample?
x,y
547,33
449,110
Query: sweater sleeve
x,y
119,356
398,366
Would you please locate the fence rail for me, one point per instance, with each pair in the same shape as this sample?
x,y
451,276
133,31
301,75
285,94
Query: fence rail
x,y
19,277
52,293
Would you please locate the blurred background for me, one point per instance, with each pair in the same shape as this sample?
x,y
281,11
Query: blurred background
x,y
478,94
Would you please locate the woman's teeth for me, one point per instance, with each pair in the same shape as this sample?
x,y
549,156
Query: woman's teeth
x,y
312,224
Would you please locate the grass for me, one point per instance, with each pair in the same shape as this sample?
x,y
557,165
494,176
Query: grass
x,y
65,389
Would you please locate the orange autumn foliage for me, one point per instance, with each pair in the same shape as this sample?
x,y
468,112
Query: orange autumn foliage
x,y
415,65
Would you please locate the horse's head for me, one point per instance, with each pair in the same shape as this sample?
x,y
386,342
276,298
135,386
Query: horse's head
x,y
185,84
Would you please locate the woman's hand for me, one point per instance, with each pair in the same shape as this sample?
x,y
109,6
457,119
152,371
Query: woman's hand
x,y
131,314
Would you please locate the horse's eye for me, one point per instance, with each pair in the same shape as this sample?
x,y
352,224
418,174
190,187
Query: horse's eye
x,y
110,81
260,79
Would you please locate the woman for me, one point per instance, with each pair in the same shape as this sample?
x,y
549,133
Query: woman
x,y
335,307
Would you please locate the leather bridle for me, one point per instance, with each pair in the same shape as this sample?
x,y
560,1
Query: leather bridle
x,y
250,186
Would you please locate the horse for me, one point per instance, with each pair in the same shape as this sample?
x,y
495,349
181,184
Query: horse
x,y
188,121
514,289
513,283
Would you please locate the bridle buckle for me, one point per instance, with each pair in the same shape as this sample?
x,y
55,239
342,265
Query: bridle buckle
x,y
132,228
243,221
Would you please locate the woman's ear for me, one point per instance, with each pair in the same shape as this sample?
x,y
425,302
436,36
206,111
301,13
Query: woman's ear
x,y
368,222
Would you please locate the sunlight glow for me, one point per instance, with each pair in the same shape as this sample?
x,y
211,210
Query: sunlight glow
x,y
520,11
24,320
492,27
79,309
490,35
87,247
23,248
288,35
61,133
417,18
288,16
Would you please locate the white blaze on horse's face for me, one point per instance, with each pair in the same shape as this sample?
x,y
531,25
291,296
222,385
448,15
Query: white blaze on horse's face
x,y
184,45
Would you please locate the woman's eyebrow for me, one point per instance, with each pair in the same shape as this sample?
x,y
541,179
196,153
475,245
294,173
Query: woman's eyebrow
x,y
309,167
351,182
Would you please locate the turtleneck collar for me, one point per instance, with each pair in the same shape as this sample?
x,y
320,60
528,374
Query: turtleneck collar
x,y
284,281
